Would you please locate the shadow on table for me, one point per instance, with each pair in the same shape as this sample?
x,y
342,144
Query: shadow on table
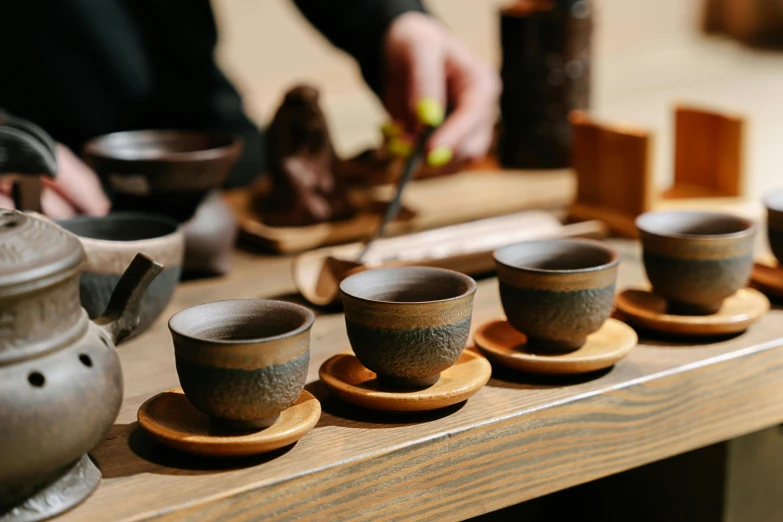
x,y
503,377
661,340
128,450
335,412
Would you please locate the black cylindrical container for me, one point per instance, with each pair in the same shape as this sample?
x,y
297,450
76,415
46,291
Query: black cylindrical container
x,y
546,75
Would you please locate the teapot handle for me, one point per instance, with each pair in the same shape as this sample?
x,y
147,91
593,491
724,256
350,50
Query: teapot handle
x,y
122,313
26,152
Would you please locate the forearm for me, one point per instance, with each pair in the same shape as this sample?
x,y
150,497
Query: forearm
x,y
358,27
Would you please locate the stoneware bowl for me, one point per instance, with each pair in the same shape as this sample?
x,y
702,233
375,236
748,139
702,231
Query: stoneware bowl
x,y
167,172
242,361
111,243
696,259
557,291
408,324
774,203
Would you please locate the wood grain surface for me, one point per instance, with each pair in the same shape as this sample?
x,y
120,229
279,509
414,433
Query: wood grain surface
x,y
518,438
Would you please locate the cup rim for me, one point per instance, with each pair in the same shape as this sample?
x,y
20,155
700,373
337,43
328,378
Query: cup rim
x,y
472,285
615,259
134,216
750,225
100,146
306,325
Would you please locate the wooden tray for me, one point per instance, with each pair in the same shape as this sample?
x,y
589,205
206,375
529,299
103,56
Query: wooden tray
x,y
430,203
466,247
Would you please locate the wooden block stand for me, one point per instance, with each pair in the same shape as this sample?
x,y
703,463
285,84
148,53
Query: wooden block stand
x,y
708,150
614,181
614,172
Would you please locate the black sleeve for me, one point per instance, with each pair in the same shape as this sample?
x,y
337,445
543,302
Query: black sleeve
x,y
358,27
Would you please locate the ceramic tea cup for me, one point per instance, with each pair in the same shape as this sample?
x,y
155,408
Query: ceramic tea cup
x,y
408,324
774,204
557,291
168,172
110,244
696,259
242,361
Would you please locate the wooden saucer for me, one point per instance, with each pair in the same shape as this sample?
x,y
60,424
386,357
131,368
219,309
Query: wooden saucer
x,y
348,379
505,345
644,308
171,419
768,277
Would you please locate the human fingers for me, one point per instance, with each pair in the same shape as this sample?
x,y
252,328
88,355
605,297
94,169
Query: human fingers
x,y
55,206
78,185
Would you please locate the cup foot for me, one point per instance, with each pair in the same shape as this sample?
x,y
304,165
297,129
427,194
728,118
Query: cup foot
x,y
244,425
398,382
680,308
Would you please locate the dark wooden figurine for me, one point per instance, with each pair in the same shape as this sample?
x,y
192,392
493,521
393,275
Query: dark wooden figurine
x,y
302,165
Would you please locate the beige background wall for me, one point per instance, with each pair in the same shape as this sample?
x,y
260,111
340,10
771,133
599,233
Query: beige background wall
x,y
648,55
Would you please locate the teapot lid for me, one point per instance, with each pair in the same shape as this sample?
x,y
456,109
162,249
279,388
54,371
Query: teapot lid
x,y
33,248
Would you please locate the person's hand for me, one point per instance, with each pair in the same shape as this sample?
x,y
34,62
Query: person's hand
x,y
427,68
75,190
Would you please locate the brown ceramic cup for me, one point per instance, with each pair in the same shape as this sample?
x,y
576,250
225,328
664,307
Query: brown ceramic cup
x,y
111,243
242,361
774,204
557,291
408,324
696,259
167,172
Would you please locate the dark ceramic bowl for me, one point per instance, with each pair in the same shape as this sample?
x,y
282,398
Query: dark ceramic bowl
x,y
242,361
167,172
110,244
408,324
557,291
695,259
774,203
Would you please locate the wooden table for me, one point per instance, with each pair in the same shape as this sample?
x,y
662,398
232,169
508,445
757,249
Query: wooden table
x,y
517,439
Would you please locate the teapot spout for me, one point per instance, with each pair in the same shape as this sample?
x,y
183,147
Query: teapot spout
x,y
122,313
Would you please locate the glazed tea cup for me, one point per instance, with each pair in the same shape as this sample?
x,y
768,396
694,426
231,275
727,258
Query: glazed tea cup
x,y
696,259
242,361
111,242
408,324
774,204
557,291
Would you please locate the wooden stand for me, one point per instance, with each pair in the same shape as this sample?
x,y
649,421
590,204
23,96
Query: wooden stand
x,y
614,181
345,376
708,154
614,172
504,345
752,22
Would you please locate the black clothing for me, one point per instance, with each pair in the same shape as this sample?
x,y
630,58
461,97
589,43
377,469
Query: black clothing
x,y
82,68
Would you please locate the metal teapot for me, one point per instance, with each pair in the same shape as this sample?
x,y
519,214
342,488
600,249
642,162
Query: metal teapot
x,y
60,376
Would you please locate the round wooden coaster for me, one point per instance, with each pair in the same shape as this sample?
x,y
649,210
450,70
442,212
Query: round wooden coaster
x,y
171,419
348,379
644,308
768,278
505,345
